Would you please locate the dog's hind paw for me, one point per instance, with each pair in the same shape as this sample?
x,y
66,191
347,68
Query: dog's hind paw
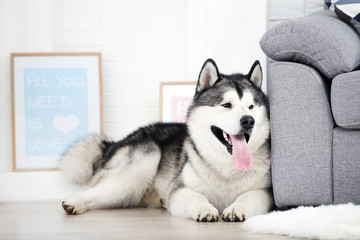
x,y
72,207
206,213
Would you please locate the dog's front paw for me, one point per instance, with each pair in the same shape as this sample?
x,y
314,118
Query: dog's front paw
x,y
74,207
235,213
206,213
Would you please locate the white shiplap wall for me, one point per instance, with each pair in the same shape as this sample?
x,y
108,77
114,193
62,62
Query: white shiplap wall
x,y
282,10
142,42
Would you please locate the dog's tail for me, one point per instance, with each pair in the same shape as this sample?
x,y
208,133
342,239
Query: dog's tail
x,y
79,164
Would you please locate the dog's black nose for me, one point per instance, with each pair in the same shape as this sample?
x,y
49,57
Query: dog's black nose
x,y
247,122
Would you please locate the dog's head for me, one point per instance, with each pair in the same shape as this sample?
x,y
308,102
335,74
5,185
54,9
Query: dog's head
x,y
229,116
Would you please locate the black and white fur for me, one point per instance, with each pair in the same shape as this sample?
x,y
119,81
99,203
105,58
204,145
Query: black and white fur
x,y
185,168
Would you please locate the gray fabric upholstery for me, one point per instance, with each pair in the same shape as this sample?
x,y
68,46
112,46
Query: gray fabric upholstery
x,y
320,40
301,135
346,166
345,100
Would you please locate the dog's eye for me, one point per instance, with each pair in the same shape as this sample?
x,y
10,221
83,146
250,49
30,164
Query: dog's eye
x,y
251,106
226,105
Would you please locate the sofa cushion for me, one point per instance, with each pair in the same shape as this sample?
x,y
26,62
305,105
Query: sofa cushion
x,y
349,11
320,40
345,100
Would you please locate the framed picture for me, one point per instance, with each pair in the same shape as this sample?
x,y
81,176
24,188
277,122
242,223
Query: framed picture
x,y
175,99
56,99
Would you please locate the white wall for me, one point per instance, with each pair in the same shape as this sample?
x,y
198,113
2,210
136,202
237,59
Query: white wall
x,y
282,10
23,28
228,32
143,43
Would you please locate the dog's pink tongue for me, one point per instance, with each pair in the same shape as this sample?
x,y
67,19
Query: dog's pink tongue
x,y
241,153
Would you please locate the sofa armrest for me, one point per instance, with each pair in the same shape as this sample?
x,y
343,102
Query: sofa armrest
x,y
301,135
320,40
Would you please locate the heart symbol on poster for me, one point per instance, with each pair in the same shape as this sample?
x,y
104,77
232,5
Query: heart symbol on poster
x,y
65,125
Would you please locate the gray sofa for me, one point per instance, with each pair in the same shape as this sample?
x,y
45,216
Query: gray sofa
x,y
314,93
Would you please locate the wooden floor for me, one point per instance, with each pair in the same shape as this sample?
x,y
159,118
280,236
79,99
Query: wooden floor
x,y
49,221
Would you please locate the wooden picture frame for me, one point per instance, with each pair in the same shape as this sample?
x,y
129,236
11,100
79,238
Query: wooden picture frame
x,y
56,98
175,98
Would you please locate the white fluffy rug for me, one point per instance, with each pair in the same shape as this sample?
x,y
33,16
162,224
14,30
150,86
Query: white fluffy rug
x,y
324,222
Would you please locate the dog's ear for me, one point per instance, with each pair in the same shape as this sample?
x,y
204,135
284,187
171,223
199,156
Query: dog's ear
x,y
255,74
208,75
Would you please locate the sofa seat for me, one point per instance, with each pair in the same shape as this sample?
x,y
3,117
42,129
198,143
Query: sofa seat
x,y
345,100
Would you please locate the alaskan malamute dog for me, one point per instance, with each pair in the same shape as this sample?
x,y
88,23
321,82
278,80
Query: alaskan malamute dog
x,y
218,162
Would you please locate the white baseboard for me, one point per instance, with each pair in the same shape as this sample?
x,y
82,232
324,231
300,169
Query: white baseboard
x,y
31,186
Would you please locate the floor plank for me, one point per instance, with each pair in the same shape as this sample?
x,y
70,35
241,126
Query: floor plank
x,y
49,221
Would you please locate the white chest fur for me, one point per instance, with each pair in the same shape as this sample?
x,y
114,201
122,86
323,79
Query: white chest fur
x,y
221,183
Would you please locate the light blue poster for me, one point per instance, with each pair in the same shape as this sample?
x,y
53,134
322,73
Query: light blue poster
x,y
56,109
